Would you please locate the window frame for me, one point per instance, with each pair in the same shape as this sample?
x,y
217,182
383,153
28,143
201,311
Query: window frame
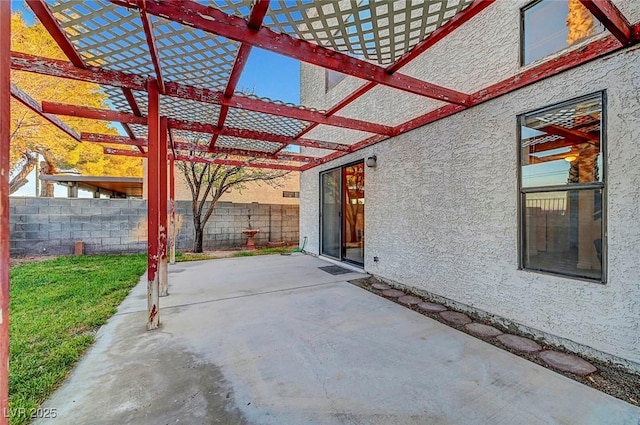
x,y
545,58
523,191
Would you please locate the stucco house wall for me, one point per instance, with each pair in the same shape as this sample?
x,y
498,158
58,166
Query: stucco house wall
x,y
441,205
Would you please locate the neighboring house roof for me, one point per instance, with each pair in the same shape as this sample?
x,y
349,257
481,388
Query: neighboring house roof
x,y
124,186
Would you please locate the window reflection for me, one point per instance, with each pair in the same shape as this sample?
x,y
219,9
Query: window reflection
x,y
353,224
552,25
562,145
562,185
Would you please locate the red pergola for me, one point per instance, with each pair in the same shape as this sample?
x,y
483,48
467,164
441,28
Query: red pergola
x,y
172,70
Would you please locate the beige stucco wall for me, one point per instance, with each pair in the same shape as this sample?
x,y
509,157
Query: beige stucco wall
x,y
259,192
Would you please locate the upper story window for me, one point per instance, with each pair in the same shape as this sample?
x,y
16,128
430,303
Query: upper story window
x,y
562,183
549,26
332,78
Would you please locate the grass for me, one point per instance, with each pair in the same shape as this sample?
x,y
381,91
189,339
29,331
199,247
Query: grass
x,y
188,256
56,308
263,251
181,257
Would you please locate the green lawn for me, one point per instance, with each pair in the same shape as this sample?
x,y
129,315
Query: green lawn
x,y
56,308
263,251
181,256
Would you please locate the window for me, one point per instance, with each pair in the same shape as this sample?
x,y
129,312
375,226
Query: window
x,y
562,185
287,194
549,26
332,78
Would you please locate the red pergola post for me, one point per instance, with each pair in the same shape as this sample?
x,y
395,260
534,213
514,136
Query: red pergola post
x,y
5,123
172,210
163,278
153,206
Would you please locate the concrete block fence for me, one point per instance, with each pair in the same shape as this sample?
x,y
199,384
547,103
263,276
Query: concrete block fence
x,y
51,226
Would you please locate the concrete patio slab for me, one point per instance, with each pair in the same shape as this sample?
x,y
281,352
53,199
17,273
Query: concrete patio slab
x,y
275,340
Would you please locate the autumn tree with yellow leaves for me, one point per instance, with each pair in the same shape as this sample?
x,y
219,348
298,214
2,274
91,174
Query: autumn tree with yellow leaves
x,y
31,135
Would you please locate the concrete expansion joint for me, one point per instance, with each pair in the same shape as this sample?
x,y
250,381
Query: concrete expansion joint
x,y
540,352
230,298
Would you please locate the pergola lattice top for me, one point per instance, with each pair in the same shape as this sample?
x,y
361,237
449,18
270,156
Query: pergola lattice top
x,y
196,51
377,30
112,36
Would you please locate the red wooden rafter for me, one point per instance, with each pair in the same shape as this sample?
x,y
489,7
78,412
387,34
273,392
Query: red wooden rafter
x,y
151,43
611,18
33,104
193,147
115,116
258,13
217,161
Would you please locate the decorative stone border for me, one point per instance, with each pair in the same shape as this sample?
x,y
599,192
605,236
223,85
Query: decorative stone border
x,y
564,362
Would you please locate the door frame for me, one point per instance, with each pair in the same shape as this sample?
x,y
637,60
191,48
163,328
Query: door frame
x,y
341,214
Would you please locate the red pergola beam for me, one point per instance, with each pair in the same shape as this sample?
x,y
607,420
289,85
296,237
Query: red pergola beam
x,y
611,18
58,68
44,15
151,43
216,161
238,66
257,105
33,104
254,135
128,94
62,69
215,21
569,60
191,147
236,163
5,168
258,13
92,113
452,24
108,115
114,140
570,134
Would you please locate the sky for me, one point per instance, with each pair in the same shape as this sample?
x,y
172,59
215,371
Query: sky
x,y
266,74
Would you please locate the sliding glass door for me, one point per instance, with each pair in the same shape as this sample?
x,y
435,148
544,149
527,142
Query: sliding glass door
x,y
342,213
330,214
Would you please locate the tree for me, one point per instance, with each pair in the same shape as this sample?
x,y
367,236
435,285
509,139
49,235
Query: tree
x,y
33,137
208,182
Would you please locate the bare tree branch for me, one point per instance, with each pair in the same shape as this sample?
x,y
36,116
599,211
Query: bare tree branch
x,y
208,183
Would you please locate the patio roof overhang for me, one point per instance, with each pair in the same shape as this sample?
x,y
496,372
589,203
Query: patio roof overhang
x,y
121,186
171,70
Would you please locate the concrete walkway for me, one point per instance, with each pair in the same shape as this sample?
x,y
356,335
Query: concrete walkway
x,y
275,340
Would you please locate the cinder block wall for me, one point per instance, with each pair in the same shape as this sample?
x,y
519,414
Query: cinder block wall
x,y
51,226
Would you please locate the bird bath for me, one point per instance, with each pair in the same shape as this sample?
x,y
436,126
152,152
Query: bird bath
x,y
251,233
